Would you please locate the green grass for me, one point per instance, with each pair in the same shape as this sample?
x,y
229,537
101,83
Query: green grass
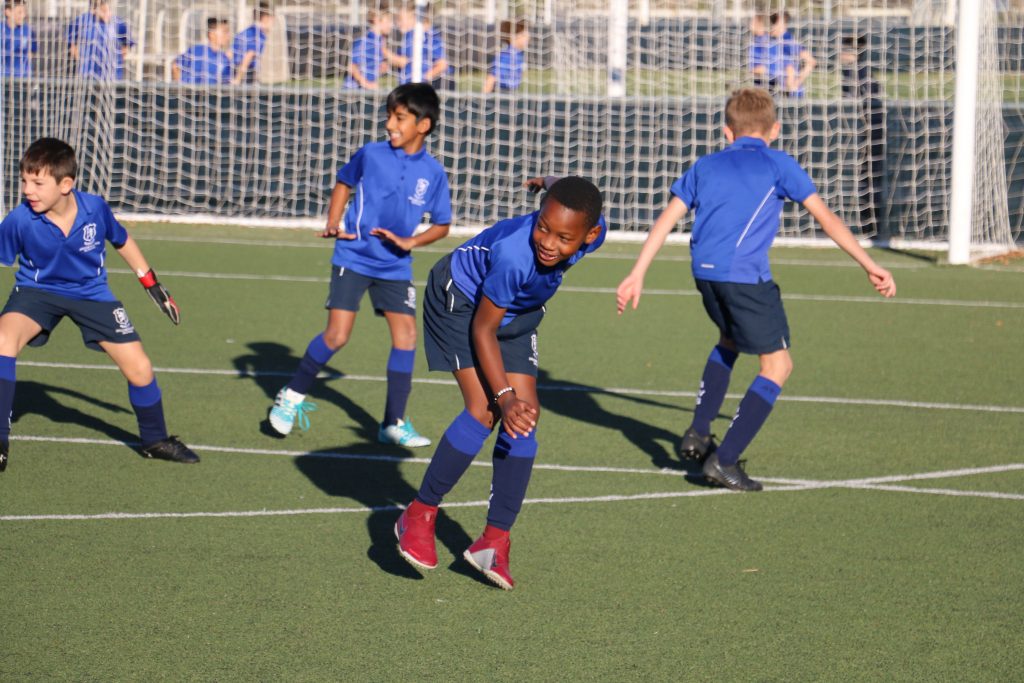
x,y
827,583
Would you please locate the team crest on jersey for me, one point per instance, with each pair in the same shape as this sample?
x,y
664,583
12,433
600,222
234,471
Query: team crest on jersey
x,y
410,298
419,198
88,238
124,324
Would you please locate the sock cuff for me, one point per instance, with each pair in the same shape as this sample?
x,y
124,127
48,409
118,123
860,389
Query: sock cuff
x,y
401,360
519,447
146,396
7,365
766,389
318,349
466,434
723,356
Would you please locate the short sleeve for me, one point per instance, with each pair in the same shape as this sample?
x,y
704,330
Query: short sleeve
x,y
181,60
794,183
441,206
116,234
686,188
504,279
359,52
72,32
10,239
436,47
352,172
124,35
495,66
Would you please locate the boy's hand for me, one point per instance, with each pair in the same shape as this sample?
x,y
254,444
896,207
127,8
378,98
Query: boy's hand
x,y
403,243
629,291
882,281
160,296
534,185
337,233
517,417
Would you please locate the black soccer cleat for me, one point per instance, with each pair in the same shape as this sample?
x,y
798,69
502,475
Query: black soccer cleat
x,y
5,450
730,476
696,446
170,449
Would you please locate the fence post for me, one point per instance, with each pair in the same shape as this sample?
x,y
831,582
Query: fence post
x,y
965,107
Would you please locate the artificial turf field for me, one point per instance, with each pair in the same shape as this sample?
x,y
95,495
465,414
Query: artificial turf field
x,y
886,546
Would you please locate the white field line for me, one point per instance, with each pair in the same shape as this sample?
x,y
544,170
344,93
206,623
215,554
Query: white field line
x,y
834,298
780,485
577,388
320,244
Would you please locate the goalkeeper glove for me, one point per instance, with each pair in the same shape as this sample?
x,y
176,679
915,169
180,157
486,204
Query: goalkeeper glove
x,y
160,296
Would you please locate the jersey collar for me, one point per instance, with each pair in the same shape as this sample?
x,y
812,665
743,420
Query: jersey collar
x,y
400,153
747,141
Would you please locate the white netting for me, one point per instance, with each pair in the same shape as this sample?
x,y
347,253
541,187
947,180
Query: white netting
x,y
874,126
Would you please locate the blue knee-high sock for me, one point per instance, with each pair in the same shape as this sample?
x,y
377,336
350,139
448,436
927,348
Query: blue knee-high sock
x,y
316,357
753,411
149,411
513,463
7,378
400,364
455,451
713,385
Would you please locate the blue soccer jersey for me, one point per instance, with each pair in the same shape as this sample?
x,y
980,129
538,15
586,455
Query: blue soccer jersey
x,y
18,43
252,39
501,264
202,65
759,53
433,52
507,68
71,266
737,196
393,190
784,53
99,45
368,55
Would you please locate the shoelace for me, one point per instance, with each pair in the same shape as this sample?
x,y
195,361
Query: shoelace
x,y
300,413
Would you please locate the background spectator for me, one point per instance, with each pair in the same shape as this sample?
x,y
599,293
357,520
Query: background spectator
x,y
435,64
506,72
368,61
206,64
249,44
759,52
99,42
790,62
18,41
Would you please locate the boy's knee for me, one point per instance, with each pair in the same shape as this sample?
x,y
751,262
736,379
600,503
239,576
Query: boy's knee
x,y
335,339
139,373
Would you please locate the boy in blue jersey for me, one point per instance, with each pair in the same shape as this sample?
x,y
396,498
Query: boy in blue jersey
x,y
99,42
249,44
392,184
737,195
789,63
759,51
57,235
436,69
483,304
506,72
206,64
18,41
368,63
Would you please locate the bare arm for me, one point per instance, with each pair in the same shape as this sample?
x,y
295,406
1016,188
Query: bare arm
x,y
489,83
243,67
132,255
631,287
439,67
357,75
428,236
518,417
808,63
335,210
393,57
175,72
834,227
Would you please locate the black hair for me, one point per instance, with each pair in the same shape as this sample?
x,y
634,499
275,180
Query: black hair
x,y
50,154
775,16
420,99
213,22
11,4
262,10
577,194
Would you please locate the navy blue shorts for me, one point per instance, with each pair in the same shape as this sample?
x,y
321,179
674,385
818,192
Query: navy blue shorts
x,y
348,287
750,315
447,321
99,321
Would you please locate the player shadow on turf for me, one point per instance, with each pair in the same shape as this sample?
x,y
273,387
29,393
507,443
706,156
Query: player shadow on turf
x,y
36,398
374,480
271,365
577,402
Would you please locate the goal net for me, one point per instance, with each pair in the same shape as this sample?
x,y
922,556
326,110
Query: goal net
x,y
864,88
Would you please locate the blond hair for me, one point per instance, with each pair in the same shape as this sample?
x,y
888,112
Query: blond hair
x,y
750,111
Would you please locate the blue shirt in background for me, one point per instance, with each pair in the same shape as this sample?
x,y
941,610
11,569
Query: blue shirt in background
x,y
202,65
71,266
507,68
501,264
737,196
368,55
391,189
759,53
18,43
100,46
433,51
783,53
252,39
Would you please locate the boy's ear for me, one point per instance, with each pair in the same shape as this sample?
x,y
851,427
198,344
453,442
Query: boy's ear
x,y
423,126
592,234
729,135
65,185
773,134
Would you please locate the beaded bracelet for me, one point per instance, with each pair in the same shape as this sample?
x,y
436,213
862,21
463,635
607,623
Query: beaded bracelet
x,y
502,392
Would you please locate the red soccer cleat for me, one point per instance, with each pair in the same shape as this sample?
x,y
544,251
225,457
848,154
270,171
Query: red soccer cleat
x,y
489,554
415,533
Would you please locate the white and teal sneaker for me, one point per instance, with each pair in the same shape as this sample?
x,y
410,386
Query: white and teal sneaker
x,y
290,407
402,434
